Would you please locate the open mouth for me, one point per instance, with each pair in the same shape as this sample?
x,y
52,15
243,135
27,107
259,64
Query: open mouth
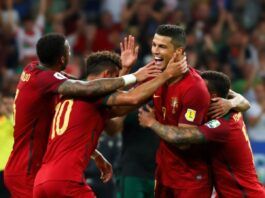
x,y
159,61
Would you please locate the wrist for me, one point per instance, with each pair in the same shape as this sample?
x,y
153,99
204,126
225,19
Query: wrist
x,y
129,79
232,104
167,75
152,124
96,156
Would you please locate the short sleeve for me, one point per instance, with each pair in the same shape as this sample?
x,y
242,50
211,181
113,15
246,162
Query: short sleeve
x,y
195,103
215,130
49,81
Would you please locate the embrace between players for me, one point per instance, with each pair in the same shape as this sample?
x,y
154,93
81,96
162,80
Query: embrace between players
x,y
58,121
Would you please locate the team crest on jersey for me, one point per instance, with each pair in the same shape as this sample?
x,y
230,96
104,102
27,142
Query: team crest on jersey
x,y
59,76
190,115
213,124
174,104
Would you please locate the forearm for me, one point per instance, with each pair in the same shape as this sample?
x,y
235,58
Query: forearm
x,y
114,126
138,95
96,154
238,102
177,135
93,88
124,71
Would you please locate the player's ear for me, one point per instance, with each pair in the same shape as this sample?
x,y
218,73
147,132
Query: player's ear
x,y
179,53
62,60
105,74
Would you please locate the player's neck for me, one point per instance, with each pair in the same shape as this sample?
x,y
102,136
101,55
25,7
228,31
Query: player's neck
x,y
177,79
46,67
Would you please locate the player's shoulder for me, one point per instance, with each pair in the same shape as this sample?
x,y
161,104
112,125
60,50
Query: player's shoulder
x,y
30,67
193,79
227,120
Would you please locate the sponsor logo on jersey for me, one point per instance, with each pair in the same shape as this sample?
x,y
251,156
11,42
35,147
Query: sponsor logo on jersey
x,y
59,76
213,124
190,115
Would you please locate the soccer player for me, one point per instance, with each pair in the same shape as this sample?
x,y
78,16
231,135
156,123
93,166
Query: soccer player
x,y
232,163
77,125
182,101
34,104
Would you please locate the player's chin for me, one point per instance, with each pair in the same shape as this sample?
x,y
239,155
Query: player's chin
x,y
161,66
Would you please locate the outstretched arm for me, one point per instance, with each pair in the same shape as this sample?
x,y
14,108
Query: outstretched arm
x,y
143,92
178,135
105,86
73,88
171,134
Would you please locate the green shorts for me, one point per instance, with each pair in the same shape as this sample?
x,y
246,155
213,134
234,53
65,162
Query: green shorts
x,y
135,187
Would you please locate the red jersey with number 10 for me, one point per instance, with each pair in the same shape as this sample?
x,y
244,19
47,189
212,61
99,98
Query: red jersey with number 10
x,y
232,161
33,112
74,135
185,102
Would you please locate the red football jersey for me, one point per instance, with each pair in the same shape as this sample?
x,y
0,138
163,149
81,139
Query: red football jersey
x,y
232,160
33,112
186,102
75,131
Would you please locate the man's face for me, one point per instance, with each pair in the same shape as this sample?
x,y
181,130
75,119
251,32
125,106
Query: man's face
x,y
162,50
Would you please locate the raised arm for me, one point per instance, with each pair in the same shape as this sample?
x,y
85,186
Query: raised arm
x,y
129,54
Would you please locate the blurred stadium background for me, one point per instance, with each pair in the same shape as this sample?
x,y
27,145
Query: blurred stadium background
x,y
223,35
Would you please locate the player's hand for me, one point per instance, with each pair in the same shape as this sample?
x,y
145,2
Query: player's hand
x,y
219,107
177,66
146,117
129,52
105,168
148,71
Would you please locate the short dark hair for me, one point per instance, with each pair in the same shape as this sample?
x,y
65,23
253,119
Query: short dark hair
x,y
218,83
177,33
50,48
100,61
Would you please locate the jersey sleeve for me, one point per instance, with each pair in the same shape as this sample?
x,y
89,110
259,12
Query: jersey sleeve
x,y
49,81
215,130
195,103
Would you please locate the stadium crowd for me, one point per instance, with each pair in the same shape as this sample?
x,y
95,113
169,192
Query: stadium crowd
x,y
222,35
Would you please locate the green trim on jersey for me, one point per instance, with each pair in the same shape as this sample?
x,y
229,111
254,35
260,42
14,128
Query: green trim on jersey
x,y
41,67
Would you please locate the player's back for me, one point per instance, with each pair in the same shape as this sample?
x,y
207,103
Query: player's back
x,y
33,111
232,159
76,127
185,102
